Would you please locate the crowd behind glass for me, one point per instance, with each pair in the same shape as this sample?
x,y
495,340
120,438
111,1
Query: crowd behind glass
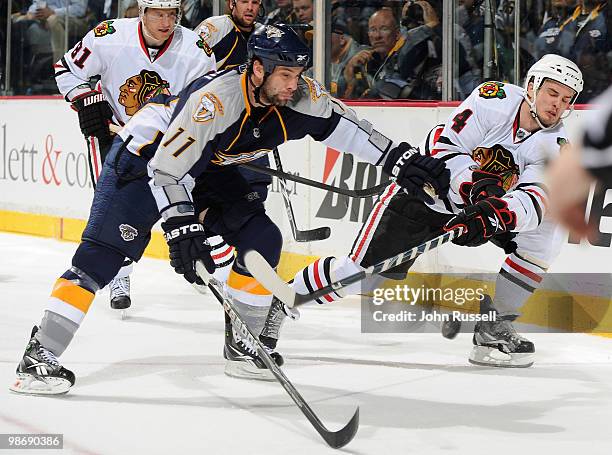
x,y
378,49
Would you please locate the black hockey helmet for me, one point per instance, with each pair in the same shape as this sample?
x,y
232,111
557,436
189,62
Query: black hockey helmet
x,y
277,45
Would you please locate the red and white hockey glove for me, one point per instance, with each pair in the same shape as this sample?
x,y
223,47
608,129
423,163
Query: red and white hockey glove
x,y
482,221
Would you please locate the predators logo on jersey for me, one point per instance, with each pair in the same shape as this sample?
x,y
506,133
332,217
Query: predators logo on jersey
x,y
128,233
140,88
103,29
492,90
316,90
498,160
208,107
206,30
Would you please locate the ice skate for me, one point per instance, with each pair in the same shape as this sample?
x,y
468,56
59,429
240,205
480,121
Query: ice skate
x,y
39,372
242,360
120,295
497,344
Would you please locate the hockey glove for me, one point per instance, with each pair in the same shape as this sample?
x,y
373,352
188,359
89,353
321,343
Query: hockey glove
x,y
187,242
482,221
483,185
94,116
414,171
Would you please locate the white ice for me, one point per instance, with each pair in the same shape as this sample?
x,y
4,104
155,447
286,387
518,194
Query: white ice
x,y
154,383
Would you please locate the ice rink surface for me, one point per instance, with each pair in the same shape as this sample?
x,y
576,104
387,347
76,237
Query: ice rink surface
x,y
154,383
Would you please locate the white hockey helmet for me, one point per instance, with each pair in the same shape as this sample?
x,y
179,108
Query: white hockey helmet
x,y
163,4
558,69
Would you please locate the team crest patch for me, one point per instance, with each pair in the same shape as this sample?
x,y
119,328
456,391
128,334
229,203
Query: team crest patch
x,y
202,44
492,90
316,89
140,88
104,28
562,141
273,32
498,160
128,233
209,106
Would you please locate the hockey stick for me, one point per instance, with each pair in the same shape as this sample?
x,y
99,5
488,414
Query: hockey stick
x,y
268,278
366,192
300,236
94,158
335,439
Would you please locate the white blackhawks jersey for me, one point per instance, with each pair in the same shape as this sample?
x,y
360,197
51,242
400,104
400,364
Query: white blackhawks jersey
x,y
484,132
130,72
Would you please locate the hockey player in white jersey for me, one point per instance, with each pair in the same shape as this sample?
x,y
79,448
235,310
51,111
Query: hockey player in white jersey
x,y
214,124
496,145
134,59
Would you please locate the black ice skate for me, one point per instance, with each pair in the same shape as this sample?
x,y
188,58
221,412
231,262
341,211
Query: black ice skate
x,y
39,372
497,344
274,321
120,294
242,359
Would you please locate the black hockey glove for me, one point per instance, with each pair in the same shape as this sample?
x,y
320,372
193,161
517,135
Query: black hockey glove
x,y
483,185
187,242
414,171
94,116
482,221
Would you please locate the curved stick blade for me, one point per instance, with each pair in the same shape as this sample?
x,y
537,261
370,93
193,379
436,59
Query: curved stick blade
x,y
342,437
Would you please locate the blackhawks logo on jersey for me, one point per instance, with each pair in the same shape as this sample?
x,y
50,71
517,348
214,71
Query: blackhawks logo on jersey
x,y
498,160
209,106
205,33
140,88
204,46
492,90
104,28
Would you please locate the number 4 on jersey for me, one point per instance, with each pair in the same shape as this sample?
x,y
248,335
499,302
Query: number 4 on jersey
x,y
460,120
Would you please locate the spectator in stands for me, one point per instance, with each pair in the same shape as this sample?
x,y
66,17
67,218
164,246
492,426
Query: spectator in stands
x,y
547,41
303,11
283,14
584,39
343,48
194,12
397,66
470,18
51,15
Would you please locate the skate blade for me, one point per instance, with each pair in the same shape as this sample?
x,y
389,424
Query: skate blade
x,y
492,357
123,315
26,384
246,370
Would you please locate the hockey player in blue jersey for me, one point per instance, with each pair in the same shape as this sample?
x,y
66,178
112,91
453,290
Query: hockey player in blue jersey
x,y
217,122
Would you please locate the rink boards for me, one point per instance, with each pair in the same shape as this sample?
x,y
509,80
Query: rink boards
x,y
45,189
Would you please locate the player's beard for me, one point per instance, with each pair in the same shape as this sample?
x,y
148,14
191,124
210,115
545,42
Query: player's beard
x,y
271,98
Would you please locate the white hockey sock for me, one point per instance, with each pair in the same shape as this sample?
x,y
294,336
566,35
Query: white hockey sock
x,y
223,256
324,271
